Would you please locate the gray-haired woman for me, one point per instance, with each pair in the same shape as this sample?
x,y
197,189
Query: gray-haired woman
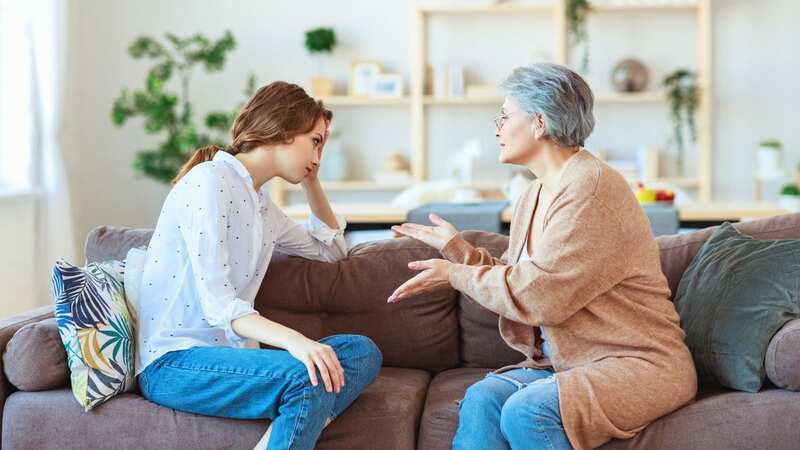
x,y
579,290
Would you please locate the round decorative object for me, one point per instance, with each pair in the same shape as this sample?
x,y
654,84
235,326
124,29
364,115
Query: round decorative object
x,y
630,75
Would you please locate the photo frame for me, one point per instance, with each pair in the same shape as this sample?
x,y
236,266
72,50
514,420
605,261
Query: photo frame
x,y
387,86
362,74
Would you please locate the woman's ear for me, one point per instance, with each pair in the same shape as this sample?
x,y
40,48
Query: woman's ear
x,y
538,126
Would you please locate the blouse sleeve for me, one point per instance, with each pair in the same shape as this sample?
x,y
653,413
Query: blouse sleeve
x,y
581,255
312,239
204,232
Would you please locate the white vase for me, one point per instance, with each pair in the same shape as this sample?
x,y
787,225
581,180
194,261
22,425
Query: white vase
x,y
769,164
790,203
334,161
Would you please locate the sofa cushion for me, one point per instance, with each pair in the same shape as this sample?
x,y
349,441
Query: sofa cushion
x,y
34,359
717,419
440,417
735,295
320,299
385,415
721,419
96,329
678,250
481,344
107,242
783,357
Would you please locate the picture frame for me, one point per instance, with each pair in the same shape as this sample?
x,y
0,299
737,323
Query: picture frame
x,y
387,86
362,74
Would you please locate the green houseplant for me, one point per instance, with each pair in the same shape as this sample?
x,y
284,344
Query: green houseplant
x,y
169,113
577,12
683,96
319,43
790,197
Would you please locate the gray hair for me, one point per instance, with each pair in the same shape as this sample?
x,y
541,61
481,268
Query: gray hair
x,y
560,95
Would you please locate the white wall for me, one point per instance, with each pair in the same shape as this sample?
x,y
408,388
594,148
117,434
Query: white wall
x,y
17,256
755,78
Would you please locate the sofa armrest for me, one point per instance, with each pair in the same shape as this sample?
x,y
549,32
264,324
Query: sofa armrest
x,y
782,361
8,327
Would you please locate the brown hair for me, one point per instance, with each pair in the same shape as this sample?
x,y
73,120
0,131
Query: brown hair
x,y
275,114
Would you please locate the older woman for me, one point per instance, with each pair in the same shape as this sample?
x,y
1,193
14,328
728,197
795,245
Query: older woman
x,y
579,290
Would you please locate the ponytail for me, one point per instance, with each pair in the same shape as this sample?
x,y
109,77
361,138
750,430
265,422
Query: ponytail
x,y
200,156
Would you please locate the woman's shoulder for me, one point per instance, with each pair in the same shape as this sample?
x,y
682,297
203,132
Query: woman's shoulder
x,y
590,178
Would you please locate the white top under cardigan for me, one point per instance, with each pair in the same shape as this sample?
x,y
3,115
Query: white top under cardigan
x,y
523,257
208,254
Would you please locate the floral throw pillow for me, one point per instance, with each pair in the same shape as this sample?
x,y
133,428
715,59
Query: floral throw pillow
x,y
96,328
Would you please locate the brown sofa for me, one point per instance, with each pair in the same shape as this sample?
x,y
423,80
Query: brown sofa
x,y
434,346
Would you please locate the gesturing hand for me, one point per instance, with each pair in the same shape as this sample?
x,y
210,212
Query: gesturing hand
x,y
435,275
312,353
436,236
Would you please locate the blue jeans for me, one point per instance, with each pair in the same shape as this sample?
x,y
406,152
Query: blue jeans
x,y
517,409
241,383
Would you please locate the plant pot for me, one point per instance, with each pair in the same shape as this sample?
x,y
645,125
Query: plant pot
x,y
790,203
769,163
321,87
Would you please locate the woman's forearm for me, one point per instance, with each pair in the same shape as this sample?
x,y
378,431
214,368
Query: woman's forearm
x,y
261,329
318,203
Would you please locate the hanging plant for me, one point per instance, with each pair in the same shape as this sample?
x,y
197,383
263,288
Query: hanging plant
x,y
683,96
577,11
168,112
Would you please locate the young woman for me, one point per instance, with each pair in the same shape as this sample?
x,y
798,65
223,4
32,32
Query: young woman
x,y
579,290
198,337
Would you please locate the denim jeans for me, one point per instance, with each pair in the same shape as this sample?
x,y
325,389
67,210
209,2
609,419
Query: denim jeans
x,y
252,383
516,410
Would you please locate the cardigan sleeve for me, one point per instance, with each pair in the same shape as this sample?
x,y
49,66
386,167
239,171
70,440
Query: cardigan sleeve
x,y
459,251
580,255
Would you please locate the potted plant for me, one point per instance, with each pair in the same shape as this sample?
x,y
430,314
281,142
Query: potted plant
x,y
683,96
577,11
319,42
790,198
165,111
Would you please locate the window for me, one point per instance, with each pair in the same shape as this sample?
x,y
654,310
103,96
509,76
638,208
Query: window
x,y
16,100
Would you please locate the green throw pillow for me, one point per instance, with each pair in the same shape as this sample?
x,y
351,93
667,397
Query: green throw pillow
x,y
735,295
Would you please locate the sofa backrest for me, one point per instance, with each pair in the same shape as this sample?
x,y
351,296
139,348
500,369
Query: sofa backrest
x,y
320,299
432,332
678,250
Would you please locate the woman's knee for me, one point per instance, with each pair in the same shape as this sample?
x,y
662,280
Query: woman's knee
x,y
355,346
530,409
482,397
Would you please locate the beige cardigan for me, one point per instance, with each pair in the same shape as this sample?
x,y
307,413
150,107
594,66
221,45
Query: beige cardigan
x,y
595,287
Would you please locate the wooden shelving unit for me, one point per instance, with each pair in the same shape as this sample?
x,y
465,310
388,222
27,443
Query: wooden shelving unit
x,y
418,101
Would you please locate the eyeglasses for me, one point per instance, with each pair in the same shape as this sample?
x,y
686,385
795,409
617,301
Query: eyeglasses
x,y
500,119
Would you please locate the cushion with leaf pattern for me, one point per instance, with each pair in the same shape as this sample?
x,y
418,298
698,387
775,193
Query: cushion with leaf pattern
x,y
96,328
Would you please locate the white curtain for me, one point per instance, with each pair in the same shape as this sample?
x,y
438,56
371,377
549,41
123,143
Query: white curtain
x,y
53,215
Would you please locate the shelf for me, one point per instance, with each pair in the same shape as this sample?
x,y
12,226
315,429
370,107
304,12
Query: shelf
x,y
633,97
732,211
488,8
466,100
610,97
367,185
644,7
347,100
677,182
361,185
